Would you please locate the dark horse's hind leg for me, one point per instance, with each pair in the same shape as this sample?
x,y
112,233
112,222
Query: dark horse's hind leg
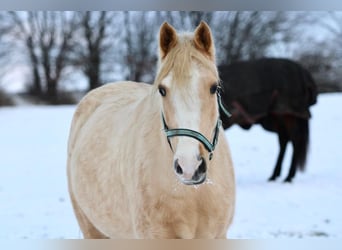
x,y
293,166
283,140
288,128
276,124
299,136
292,172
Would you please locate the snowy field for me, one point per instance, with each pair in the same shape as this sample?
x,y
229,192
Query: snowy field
x,y
34,202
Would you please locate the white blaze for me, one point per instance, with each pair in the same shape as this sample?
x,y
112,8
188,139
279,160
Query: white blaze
x,y
187,115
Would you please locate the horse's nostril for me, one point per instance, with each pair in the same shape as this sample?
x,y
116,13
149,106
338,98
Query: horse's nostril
x,y
178,168
203,167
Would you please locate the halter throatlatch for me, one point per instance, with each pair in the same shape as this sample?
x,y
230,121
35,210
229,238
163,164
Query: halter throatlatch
x,y
210,146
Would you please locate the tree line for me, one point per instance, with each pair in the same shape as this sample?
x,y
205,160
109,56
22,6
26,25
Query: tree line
x,y
103,46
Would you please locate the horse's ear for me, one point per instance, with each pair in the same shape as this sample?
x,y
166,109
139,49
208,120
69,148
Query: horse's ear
x,y
204,41
167,39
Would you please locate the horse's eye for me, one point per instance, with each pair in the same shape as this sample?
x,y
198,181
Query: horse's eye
x,y
213,89
162,91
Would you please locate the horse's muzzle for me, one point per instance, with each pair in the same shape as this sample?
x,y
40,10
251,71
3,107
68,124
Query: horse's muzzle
x,y
201,179
198,177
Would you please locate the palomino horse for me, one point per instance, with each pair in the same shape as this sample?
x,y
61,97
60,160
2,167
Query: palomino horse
x,y
152,161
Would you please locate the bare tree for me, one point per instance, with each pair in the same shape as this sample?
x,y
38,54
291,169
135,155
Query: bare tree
x,y
5,28
25,31
185,20
238,34
141,30
333,23
4,57
48,38
92,54
197,16
140,53
323,58
55,39
247,34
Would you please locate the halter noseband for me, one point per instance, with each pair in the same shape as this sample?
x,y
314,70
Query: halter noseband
x,y
210,146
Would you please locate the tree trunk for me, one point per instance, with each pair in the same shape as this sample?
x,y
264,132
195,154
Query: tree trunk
x,y
36,85
93,74
51,91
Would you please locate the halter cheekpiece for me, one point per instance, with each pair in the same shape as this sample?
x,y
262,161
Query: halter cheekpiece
x,y
209,145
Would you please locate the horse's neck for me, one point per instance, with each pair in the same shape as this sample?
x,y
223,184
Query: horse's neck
x,y
155,141
154,121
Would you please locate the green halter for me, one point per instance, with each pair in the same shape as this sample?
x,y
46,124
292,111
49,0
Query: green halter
x,y
210,146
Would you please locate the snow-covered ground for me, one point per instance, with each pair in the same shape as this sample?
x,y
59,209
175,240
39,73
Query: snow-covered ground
x,y
34,202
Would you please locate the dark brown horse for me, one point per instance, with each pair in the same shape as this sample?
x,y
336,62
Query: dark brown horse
x,y
275,93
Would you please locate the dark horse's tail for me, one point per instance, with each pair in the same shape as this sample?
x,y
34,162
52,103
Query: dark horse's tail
x,y
303,124
302,141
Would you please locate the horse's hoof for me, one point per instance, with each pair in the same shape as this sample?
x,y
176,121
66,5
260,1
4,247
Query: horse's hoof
x,y
272,178
288,180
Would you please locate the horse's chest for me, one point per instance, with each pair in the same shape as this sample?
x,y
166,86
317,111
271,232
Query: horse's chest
x,y
180,218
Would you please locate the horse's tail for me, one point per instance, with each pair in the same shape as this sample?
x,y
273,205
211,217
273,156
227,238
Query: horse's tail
x,y
302,142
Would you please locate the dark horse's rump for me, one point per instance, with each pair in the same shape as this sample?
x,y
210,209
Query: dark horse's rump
x,y
275,93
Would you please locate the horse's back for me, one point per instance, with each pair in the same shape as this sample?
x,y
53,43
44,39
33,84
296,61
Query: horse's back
x,y
276,85
116,95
